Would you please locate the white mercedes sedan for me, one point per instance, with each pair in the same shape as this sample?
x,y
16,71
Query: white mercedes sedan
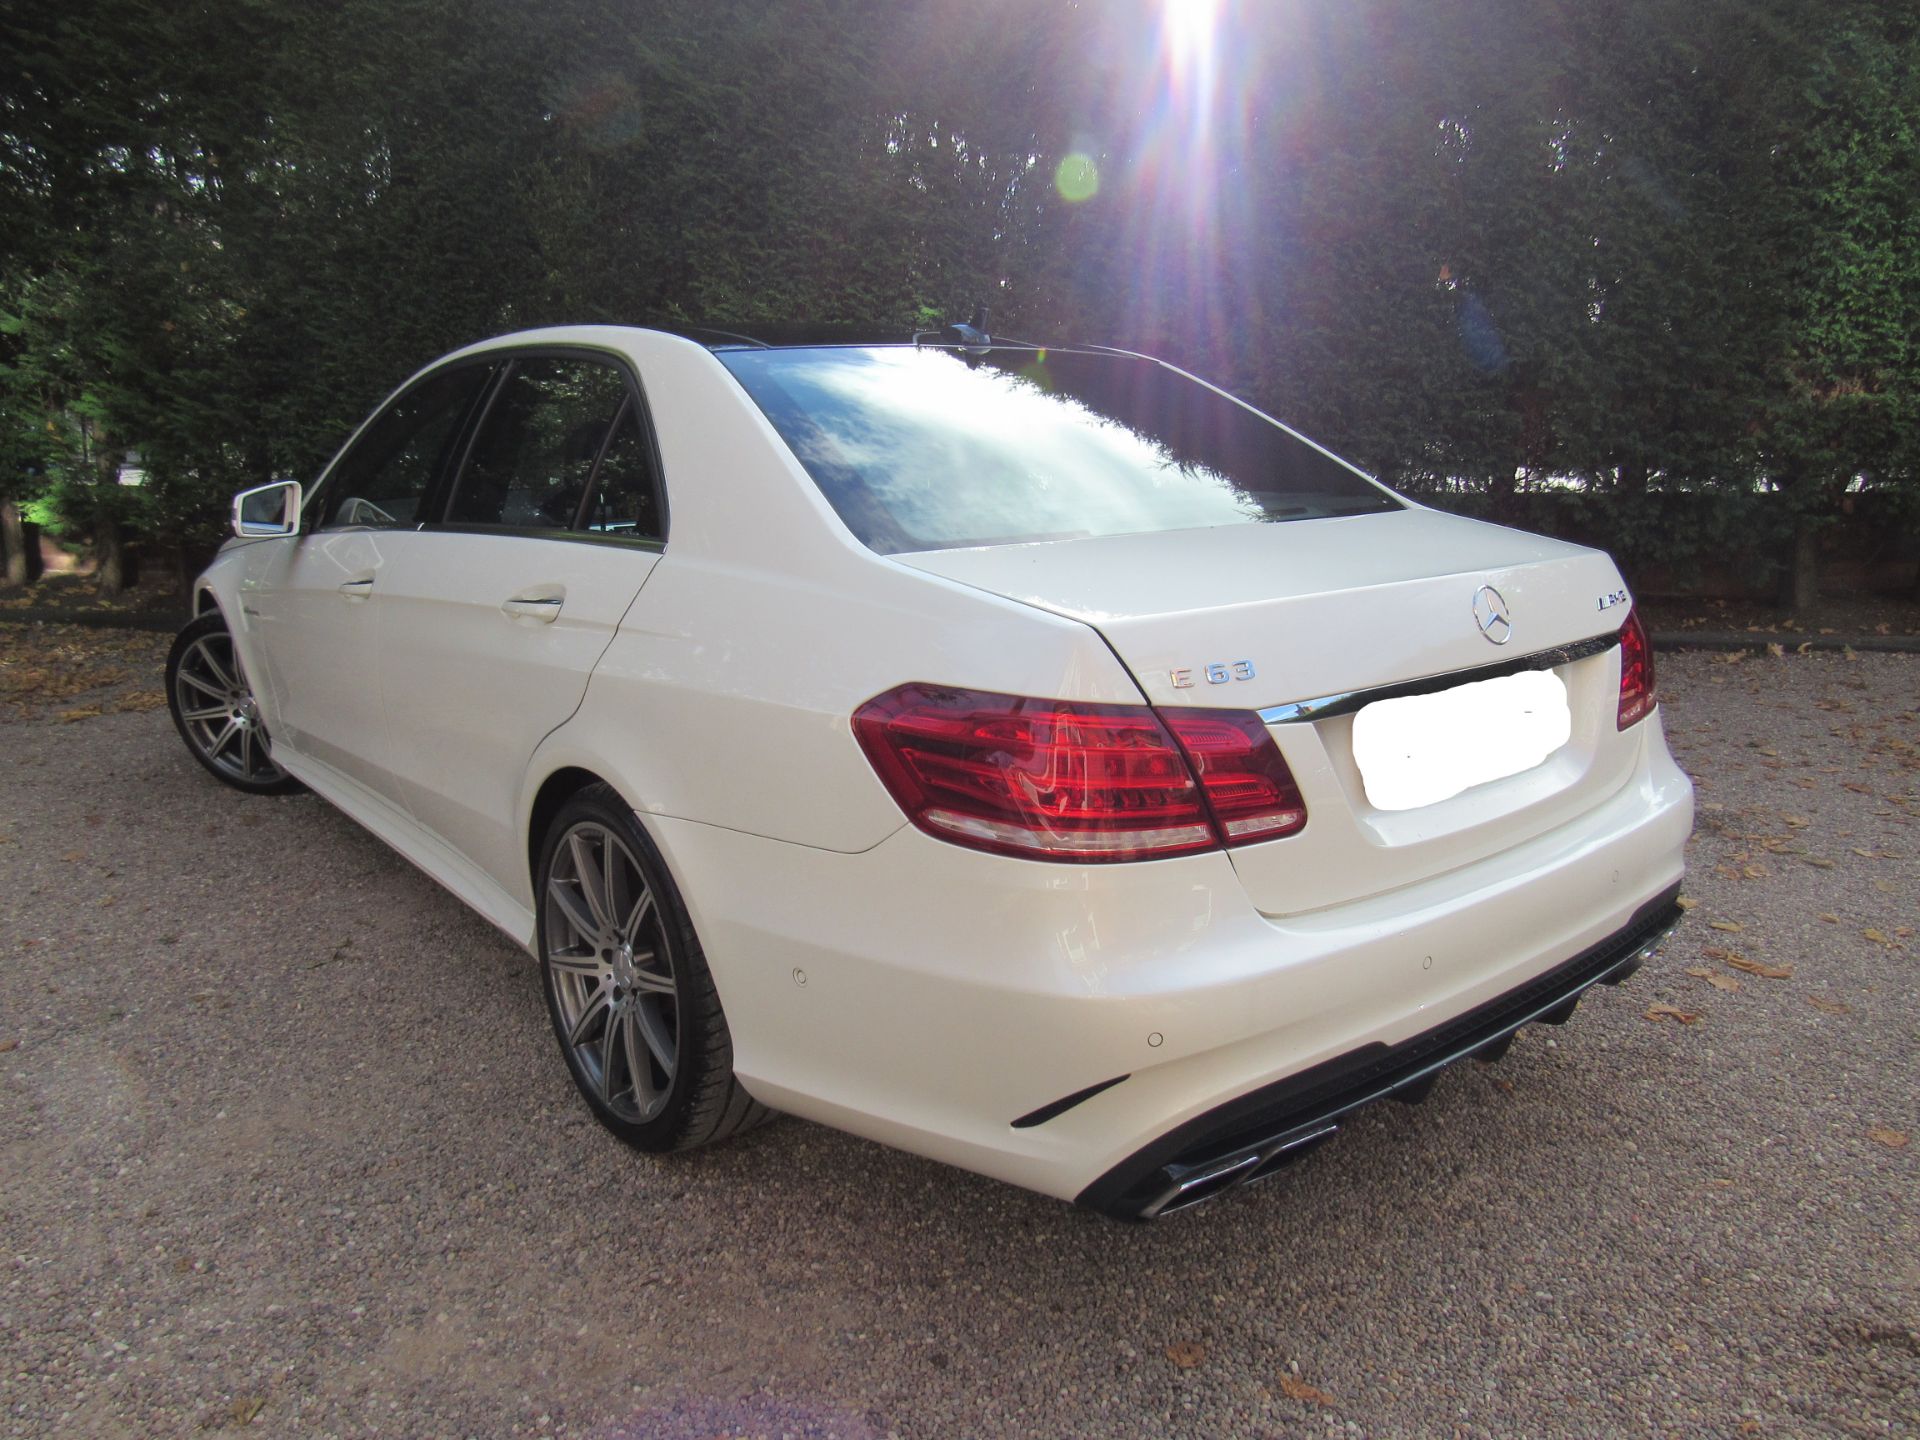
x,y
1033,758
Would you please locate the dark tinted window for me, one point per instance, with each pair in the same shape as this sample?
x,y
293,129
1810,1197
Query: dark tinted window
x,y
925,449
623,501
538,444
381,481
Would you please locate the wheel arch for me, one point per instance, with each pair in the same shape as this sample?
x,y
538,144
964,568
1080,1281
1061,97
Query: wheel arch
x,y
554,792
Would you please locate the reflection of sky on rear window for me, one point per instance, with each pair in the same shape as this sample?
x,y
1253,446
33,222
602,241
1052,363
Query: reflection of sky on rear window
x,y
956,454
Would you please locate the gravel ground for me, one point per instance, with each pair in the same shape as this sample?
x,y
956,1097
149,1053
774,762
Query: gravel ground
x,y
284,1144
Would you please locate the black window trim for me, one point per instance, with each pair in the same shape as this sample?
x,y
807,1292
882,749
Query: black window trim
x,y
432,495
507,359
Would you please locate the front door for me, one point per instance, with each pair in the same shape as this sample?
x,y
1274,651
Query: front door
x,y
313,602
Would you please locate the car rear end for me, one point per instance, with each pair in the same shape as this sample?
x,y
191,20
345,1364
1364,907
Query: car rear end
x,y
1394,786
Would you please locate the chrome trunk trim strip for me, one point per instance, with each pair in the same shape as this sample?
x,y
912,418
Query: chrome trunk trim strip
x,y
1327,706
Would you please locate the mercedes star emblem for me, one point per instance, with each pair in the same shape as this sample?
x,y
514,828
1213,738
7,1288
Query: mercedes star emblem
x,y
1490,614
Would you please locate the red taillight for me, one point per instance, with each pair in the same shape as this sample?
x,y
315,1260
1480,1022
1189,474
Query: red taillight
x,y
1636,671
1055,780
1247,783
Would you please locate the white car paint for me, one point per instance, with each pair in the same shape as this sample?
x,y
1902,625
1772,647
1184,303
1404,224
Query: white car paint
x,y
881,980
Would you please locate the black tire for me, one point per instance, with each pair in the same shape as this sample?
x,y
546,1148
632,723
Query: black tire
x,y
212,704
632,1003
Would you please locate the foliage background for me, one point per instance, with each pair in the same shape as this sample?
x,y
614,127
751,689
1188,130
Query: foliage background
x,y
1637,270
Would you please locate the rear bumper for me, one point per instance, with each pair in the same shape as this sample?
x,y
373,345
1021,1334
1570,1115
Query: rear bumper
x,y
1074,1029
1260,1133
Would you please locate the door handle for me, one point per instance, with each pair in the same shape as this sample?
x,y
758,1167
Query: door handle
x,y
544,608
357,589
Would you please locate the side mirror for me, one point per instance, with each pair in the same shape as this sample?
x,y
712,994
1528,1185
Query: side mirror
x,y
267,510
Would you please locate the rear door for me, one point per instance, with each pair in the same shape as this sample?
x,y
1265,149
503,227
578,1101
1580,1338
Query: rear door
x,y
489,631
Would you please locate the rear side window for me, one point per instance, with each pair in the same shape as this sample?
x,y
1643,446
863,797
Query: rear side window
x,y
384,477
927,449
622,499
548,428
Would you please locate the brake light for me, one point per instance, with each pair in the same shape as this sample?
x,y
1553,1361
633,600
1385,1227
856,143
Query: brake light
x,y
1247,783
1057,780
1636,671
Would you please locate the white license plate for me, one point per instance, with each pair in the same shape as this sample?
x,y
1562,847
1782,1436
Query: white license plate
x,y
1422,749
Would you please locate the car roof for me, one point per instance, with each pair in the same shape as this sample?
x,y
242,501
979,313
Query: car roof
x,y
805,334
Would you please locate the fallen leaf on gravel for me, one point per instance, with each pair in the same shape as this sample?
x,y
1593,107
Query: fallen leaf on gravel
x,y
1830,918
1186,1354
1686,902
84,712
246,1407
1878,937
1299,1390
1732,927
1857,789
1817,862
1892,1139
1765,972
1885,887
1718,981
1832,1007
141,700
1776,650
74,855
1798,822
1672,1012
6,1045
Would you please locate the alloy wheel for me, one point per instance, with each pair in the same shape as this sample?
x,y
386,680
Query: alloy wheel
x,y
611,972
219,714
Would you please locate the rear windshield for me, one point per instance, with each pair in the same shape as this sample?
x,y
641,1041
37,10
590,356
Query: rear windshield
x,y
929,449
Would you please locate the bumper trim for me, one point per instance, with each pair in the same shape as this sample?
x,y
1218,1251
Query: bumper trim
x,y
1065,1103
1253,1136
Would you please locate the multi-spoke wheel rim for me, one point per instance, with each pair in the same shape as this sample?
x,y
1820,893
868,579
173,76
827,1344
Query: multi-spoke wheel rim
x,y
611,973
217,708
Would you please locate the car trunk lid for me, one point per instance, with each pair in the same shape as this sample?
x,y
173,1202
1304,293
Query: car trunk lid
x,y
1266,617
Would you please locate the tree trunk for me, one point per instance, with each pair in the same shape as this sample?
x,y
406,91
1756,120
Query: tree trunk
x,y
13,542
1800,586
111,544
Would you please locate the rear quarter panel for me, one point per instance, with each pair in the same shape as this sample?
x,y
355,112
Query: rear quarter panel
x,y
727,696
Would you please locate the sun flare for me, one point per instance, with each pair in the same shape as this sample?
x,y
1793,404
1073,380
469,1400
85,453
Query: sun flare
x,y
1190,29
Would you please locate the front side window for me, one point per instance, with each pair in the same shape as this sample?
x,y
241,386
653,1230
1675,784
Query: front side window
x,y
537,449
928,449
385,476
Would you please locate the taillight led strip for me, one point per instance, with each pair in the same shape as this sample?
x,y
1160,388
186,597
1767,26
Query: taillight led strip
x,y
1066,781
